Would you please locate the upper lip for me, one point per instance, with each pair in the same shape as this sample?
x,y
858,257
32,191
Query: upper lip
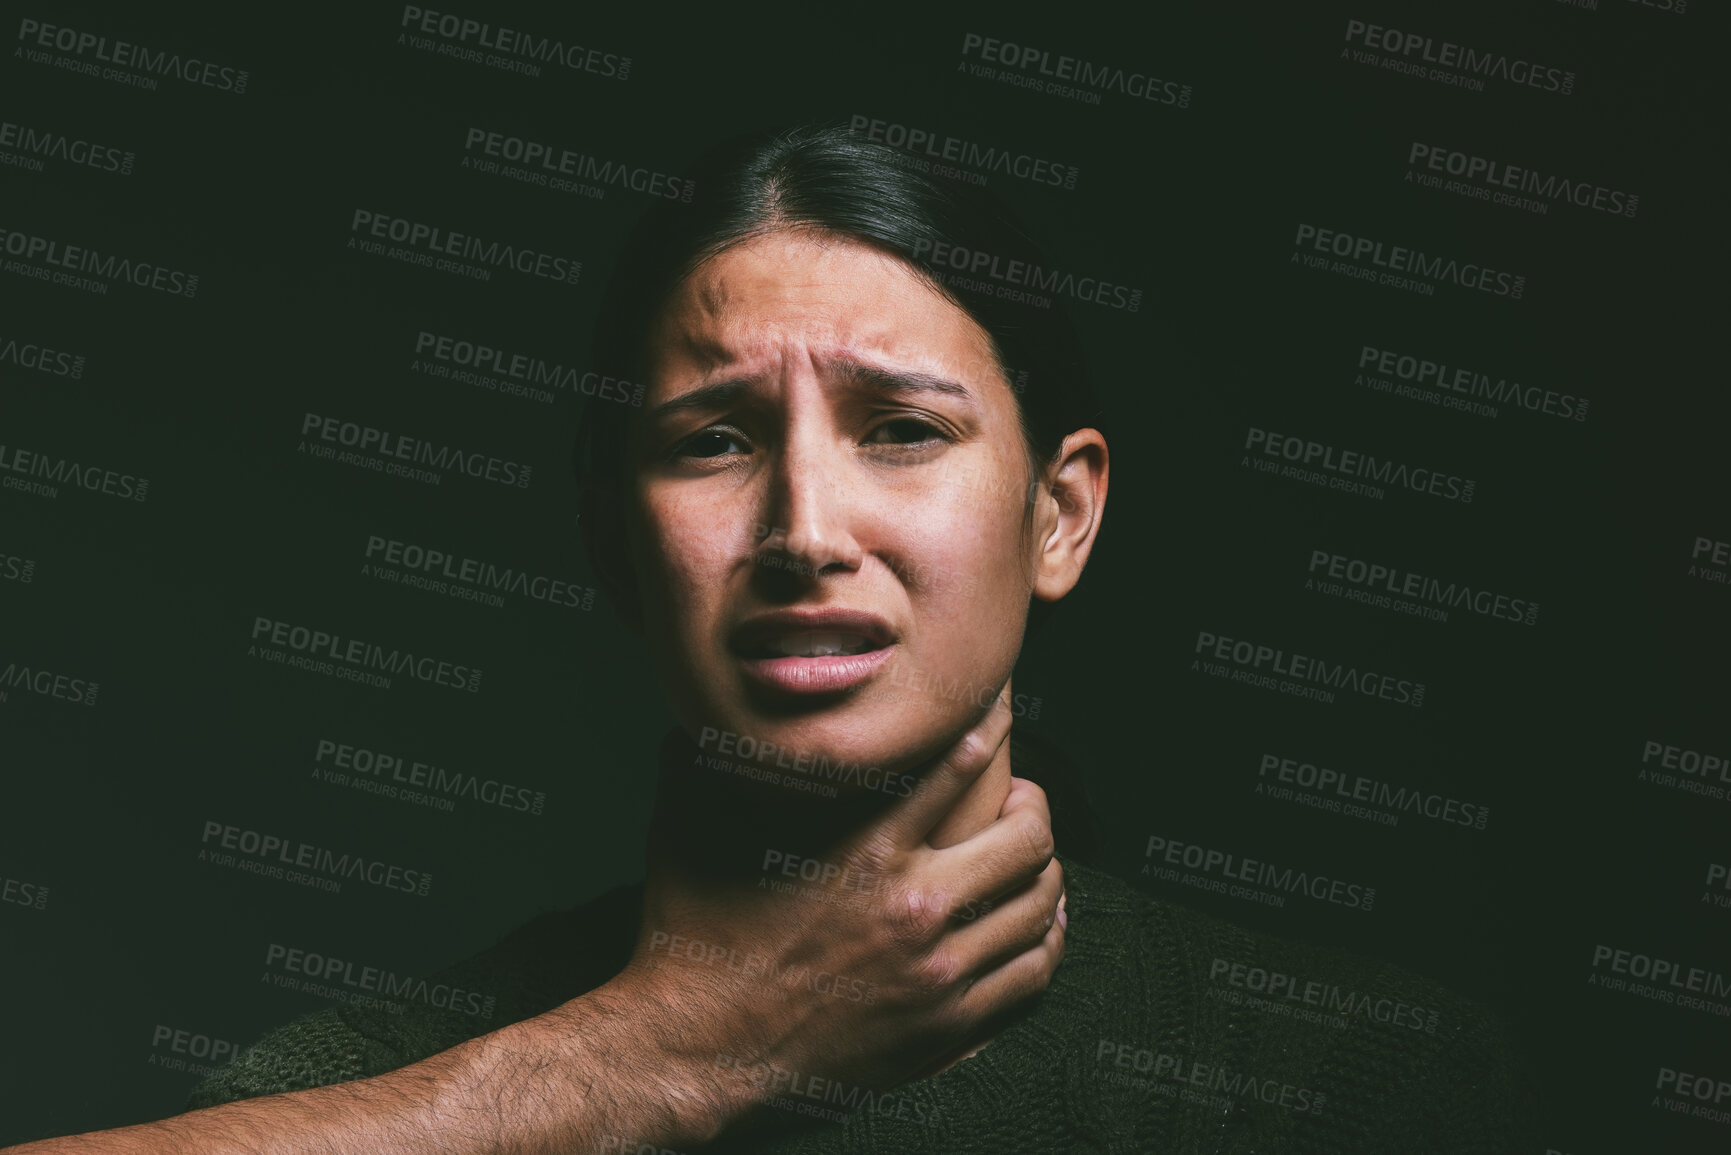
x,y
755,633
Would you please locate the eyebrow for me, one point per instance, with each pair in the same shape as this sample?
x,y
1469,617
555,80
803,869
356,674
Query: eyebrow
x,y
899,380
875,377
715,396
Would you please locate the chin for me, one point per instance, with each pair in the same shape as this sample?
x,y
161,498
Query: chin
x,y
887,728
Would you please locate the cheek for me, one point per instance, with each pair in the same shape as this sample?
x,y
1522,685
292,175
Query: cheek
x,y
964,547
689,548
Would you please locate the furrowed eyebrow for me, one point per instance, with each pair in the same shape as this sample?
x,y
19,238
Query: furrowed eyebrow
x,y
900,380
723,393
716,396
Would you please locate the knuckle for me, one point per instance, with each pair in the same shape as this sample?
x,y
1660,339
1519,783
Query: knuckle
x,y
936,973
1036,832
970,755
915,916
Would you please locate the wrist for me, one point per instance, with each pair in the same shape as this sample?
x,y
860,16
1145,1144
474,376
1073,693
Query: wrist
x,y
660,1059
597,1073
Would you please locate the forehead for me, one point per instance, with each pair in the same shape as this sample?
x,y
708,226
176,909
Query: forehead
x,y
810,293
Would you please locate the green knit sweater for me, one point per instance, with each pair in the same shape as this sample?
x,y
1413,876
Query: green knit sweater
x,y
1163,1030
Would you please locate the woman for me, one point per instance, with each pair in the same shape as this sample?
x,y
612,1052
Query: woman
x,y
832,521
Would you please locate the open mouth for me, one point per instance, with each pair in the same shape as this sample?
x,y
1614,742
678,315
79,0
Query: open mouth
x,y
810,644
813,650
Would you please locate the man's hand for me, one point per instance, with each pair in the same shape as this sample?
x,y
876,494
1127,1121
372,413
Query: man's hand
x,y
872,961
898,960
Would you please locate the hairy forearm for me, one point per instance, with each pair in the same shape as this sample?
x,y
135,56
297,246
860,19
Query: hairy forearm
x,y
585,1077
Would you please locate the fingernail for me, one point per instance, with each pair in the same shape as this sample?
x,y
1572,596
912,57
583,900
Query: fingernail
x,y
1063,917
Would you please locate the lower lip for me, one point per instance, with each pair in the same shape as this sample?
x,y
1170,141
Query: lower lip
x,y
817,675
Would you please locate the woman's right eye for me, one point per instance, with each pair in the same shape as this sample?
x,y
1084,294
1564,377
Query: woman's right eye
x,y
709,443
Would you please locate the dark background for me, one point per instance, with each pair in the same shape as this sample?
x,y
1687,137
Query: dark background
x,y
105,805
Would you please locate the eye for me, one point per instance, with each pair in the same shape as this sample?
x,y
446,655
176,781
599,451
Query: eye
x,y
905,431
712,442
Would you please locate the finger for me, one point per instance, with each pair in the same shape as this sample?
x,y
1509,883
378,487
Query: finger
x,y
939,785
1011,926
1004,856
1002,995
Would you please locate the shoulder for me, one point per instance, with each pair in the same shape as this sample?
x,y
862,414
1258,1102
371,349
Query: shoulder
x,y
1292,1039
393,1020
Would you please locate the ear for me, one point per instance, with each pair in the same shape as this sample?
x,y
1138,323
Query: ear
x,y
1068,506
601,519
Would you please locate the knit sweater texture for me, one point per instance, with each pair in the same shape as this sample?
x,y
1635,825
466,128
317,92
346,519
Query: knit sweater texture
x,y
1148,1040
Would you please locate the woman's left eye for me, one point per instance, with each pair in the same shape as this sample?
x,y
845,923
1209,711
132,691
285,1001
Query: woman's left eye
x,y
904,431
709,443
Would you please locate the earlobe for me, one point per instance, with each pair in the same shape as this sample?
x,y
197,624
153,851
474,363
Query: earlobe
x,y
1077,492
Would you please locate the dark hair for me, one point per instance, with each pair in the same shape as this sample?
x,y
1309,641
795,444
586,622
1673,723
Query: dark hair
x,y
959,237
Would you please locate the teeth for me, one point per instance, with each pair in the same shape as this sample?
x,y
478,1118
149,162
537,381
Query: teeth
x,y
815,645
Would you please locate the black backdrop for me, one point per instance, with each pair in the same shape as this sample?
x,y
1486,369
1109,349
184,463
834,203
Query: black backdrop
x,y
1560,790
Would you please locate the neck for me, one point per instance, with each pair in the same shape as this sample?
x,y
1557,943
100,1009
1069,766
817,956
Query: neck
x,y
979,804
728,821
731,817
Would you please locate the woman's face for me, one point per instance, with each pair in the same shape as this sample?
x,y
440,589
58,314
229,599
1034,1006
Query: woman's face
x,y
826,520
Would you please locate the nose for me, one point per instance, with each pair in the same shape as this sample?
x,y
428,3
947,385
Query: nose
x,y
807,518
